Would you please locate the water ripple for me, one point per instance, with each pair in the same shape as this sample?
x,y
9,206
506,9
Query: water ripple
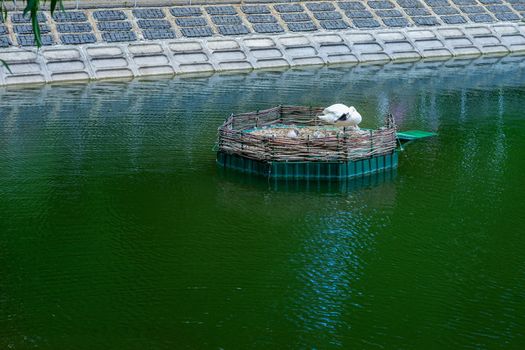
x,y
118,230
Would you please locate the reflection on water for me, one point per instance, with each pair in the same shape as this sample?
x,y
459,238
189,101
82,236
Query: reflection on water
x,y
119,230
298,185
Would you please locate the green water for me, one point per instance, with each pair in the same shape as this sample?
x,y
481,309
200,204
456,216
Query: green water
x,y
118,231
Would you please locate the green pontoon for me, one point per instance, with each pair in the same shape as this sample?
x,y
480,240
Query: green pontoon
x,y
290,142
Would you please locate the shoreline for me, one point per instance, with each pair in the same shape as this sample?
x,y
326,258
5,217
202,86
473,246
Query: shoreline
x,y
117,46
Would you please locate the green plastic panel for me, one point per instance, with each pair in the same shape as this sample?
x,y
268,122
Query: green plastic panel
x,y
410,135
309,170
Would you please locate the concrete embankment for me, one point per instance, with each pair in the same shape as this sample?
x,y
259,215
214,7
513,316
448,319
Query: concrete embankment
x,y
136,42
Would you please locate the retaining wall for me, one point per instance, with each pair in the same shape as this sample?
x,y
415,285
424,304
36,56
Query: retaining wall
x,y
137,42
128,60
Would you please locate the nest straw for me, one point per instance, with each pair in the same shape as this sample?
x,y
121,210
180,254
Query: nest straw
x,y
236,136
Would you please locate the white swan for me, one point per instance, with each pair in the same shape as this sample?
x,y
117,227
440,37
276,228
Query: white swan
x,y
341,115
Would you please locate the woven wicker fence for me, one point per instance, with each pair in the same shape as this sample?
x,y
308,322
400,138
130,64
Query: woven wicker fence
x,y
235,138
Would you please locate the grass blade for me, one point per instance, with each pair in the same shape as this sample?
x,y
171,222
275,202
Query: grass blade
x,y
33,7
4,63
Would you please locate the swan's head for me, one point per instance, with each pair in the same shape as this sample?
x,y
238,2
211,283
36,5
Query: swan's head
x,y
351,109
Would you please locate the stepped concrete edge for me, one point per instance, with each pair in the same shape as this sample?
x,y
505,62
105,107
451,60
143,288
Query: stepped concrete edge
x,y
180,56
219,53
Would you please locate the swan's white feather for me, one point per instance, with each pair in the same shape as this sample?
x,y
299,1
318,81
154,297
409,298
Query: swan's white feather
x,y
333,113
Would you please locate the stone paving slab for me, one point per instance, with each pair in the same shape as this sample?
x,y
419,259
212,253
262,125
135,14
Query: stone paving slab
x,y
425,21
196,32
410,4
445,11
191,22
327,15
156,34
20,18
507,17
261,19
29,40
70,16
4,41
417,12
109,15
118,36
153,24
114,26
295,17
226,20
301,26
359,14
366,23
148,13
389,13
437,3
28,29
186,11
380,4
255,9
221,10
320,6
77,39
233,30
351,6
396,22
454,19
334,24
74,27
267,28
481,18
283,8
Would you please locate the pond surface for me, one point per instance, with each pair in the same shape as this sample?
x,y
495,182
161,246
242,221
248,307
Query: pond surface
x,y
118,231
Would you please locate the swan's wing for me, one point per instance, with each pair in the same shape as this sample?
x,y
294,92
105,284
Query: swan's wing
x,y
329,118
338,109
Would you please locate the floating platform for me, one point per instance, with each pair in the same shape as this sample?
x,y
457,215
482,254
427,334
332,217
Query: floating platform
x,y
309,170
290,142
410,135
